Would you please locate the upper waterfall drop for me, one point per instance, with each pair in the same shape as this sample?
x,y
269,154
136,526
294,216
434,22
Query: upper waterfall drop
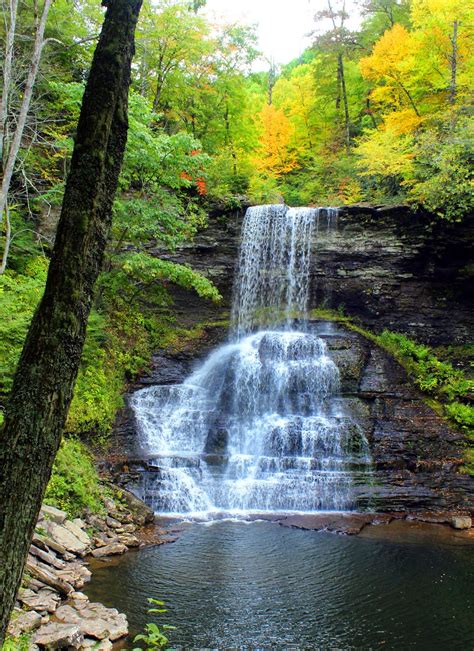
x,y
272,281
258,426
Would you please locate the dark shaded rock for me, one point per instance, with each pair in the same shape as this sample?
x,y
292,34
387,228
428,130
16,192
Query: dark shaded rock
x,y
216,442
386,265
142,514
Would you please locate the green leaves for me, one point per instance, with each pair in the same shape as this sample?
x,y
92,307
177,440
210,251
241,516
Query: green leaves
x,y
154,637
145,270
437,378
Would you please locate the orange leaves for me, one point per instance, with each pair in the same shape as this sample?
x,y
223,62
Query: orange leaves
x,y
275,156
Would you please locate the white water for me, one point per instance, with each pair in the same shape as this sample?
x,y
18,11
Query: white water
x,y
258,426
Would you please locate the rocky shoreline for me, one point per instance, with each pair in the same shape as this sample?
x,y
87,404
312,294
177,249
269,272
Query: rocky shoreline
x,y
51,611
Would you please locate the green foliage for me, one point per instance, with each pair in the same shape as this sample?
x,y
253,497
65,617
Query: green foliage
x,y
22,643
443,170
450,390
154,638
146,270
430,374
99,385
19,295
74,484
462,415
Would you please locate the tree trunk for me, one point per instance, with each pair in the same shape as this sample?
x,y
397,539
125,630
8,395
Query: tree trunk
x,y
8,239
7,78
454,63
347,129
25,107
43,383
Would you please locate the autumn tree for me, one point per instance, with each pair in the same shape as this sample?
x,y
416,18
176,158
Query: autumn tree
x,y
275,156
42,388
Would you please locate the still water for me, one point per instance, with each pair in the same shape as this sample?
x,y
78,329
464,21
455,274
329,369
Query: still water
x,y
261,586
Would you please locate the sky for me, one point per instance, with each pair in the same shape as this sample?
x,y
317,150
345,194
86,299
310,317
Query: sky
x,y
283,25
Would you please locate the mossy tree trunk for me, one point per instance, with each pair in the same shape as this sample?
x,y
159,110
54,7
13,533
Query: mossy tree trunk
x,y
44,380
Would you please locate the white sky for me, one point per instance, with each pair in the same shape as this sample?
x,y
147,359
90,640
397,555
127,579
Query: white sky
x,y
283,25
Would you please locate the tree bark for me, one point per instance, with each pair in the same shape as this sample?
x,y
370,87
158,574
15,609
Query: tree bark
x,y
43,383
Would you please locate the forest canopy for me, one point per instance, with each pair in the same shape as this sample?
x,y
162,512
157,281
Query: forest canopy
x,y
380,114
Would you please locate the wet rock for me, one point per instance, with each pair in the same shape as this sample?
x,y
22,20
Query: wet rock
x,y
94,645
52,513
58,635
109,550
142,514
129,540
345,523
112,523
461,522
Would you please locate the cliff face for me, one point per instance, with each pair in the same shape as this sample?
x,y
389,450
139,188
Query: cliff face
x,y
416,456
387,267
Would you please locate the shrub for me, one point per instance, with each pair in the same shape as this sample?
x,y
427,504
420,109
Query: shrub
x,y
74,484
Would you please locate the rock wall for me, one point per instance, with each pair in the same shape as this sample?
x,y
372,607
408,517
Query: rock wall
x,y
387,267
416,455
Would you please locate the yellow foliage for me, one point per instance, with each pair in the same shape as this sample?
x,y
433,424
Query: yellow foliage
x,y
385,152
442,12
295,96
274,156
392,55
402,122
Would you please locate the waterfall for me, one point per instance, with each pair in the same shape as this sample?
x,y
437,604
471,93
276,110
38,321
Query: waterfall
x,y
258,426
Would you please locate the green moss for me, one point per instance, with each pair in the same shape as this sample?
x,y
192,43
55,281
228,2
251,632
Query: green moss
x,y
74,485
447,390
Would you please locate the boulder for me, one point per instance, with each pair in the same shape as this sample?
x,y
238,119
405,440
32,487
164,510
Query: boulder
x,y
23,622
44,600
46,543
142,514
57,635
461,522
95,620
129,539
75,574
49,558
109,550
46,575
78,600
78,531
52,513
66,538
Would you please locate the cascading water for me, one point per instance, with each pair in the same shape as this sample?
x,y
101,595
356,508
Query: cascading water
x,y
258,427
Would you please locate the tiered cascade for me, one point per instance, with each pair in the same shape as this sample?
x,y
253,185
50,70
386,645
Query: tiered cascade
x,y
258,426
